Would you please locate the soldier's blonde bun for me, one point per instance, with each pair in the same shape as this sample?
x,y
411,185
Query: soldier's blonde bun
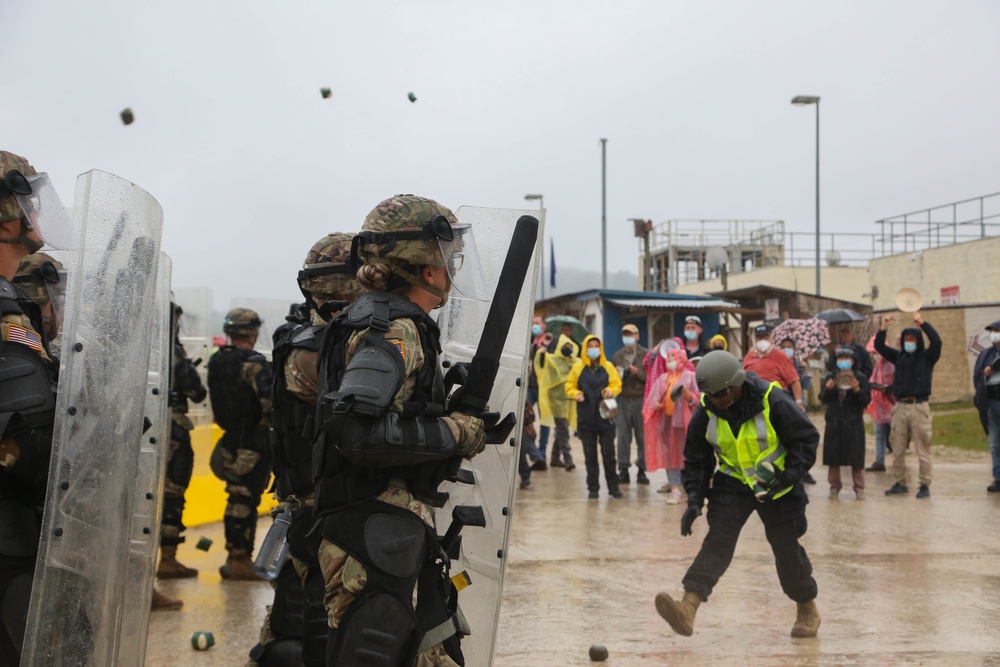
x,y
374,277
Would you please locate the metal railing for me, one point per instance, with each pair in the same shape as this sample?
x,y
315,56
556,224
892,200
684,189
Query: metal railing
x,y
965,220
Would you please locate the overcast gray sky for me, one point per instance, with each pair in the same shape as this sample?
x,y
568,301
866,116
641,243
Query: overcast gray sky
x,y
251,165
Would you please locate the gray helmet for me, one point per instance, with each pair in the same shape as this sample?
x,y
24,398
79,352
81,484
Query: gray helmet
x,y
719,370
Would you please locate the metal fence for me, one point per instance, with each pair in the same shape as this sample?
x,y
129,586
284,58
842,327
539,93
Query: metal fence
x,y
965,220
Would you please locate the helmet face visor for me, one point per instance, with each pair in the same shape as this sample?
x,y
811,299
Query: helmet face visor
x,y
461,259
45,213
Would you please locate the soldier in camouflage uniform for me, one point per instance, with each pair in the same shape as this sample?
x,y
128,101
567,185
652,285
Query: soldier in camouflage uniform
x,y
294,630
239,385
42,278
185,384
27,411
381,361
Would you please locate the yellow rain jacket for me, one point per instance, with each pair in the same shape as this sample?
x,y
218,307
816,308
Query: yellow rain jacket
x,y
552,369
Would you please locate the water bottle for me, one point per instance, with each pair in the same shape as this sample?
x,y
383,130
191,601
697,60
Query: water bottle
x,y
274,553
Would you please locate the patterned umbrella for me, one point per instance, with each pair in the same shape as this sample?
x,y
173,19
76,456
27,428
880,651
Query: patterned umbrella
x,y
808,335
552,325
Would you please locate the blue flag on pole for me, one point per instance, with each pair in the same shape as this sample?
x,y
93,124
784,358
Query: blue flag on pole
x,y
552,258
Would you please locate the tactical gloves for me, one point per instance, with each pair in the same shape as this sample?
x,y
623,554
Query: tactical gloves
x,y
690,514
770,480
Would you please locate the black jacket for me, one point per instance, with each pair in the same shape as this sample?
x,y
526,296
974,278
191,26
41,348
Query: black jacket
x,y
795,432
864,360
914,371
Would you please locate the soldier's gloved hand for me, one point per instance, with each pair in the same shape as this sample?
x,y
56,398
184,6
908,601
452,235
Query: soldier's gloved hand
x,y
770,480
473,439
690,514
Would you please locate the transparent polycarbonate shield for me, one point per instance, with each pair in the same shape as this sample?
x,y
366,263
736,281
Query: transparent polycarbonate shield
x,y
484,550
82,573
144,533
197,303
47,215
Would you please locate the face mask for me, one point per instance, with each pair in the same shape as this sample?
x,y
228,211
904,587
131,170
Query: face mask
x,y
672,365
910,347
995,336
691,335
593,352
844,364
536,329
763,346
567,350
628,341
717,347
789,351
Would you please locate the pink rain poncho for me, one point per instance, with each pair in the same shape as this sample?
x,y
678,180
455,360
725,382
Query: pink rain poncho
x,y
880,407
665,420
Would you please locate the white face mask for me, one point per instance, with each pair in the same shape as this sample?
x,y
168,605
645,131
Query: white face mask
x,y
763,346
995,337
672,365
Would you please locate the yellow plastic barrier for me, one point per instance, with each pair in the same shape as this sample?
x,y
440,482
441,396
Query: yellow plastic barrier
x,y
205,500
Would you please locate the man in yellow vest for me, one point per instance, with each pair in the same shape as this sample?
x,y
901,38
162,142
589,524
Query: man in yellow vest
x,y
763,444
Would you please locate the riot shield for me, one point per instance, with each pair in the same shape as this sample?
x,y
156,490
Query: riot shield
x,y
144,532
82,572
196,337
484,550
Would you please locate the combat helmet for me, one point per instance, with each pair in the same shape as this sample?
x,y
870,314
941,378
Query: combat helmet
x,y
328,272
36,274
14,171
407,230
242,322
719,370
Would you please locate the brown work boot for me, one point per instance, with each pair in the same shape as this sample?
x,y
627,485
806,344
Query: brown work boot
x,y
163,603
171,568
238,567
807,620
680,615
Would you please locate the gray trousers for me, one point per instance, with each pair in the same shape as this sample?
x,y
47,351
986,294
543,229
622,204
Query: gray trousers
x,y
630,419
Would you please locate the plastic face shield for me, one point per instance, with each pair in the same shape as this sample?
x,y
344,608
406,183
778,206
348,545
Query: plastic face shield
x,y
461,259
45,212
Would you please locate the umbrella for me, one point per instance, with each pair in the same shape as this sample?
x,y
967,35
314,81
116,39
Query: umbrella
x,y
553,324
808,335
841,315
979,342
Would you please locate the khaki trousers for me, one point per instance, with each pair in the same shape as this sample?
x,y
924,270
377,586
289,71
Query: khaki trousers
x,y
911,422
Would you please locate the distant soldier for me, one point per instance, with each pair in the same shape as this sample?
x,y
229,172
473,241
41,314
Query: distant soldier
x,y
185,384
239,385
295,629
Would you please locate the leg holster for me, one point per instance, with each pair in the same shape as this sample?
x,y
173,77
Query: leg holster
x,y
380,627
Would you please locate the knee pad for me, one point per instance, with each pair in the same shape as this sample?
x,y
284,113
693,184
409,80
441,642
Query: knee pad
x,y
378,630
289,606
317,634
282,652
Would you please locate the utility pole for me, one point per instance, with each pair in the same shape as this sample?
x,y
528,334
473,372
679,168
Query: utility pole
x,y
604,215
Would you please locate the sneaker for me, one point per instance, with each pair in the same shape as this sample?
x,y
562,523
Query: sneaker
x,y
834,494
623,477
525,484
592,495
641,478
556,463
808,479
994,487
878,466
570,467
897,490
859,494
924,491
666,488
616,493
675,496
539,465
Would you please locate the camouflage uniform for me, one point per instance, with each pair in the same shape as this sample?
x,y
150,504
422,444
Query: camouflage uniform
x,y
26,442
346,576
239,381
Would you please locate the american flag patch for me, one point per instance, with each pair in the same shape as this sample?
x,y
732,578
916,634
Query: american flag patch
x,y
18,334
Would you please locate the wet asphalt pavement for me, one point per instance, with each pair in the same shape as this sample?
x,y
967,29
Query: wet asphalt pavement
x,y
901,581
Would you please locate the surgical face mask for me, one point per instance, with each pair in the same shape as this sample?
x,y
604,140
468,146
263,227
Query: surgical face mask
x,y
995,337
628,341
567,350
844,364
763,346
910,346
691,335
672,365
593,352
789,351
536,329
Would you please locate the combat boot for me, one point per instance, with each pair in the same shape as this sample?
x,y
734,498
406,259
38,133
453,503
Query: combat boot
x,y
680,615
807,620
171,568
163,603
238,567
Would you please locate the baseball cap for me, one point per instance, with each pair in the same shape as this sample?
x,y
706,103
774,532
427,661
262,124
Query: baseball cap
x,y
762,330
693,318
631,328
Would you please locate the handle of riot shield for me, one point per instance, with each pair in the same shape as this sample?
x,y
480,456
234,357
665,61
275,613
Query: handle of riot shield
x,y
461,516
498,432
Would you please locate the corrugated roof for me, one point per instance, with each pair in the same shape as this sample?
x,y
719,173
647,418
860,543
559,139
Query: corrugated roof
x,y
675,304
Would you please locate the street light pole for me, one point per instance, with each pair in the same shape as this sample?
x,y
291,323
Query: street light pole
x,y
803,100
604,215
541,241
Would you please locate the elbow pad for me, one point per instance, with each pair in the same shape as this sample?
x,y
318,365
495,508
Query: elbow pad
x,y
393,440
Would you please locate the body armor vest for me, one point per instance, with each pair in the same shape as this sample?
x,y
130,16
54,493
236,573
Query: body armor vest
x,y
235,403
290,415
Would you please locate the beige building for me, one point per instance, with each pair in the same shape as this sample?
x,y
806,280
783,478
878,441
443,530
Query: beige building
x,y
846,283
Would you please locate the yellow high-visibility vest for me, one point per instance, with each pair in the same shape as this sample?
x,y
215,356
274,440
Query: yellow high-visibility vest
x,y
756,443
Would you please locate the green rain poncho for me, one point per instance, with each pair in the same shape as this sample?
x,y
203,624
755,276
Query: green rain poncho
x,y
552,371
